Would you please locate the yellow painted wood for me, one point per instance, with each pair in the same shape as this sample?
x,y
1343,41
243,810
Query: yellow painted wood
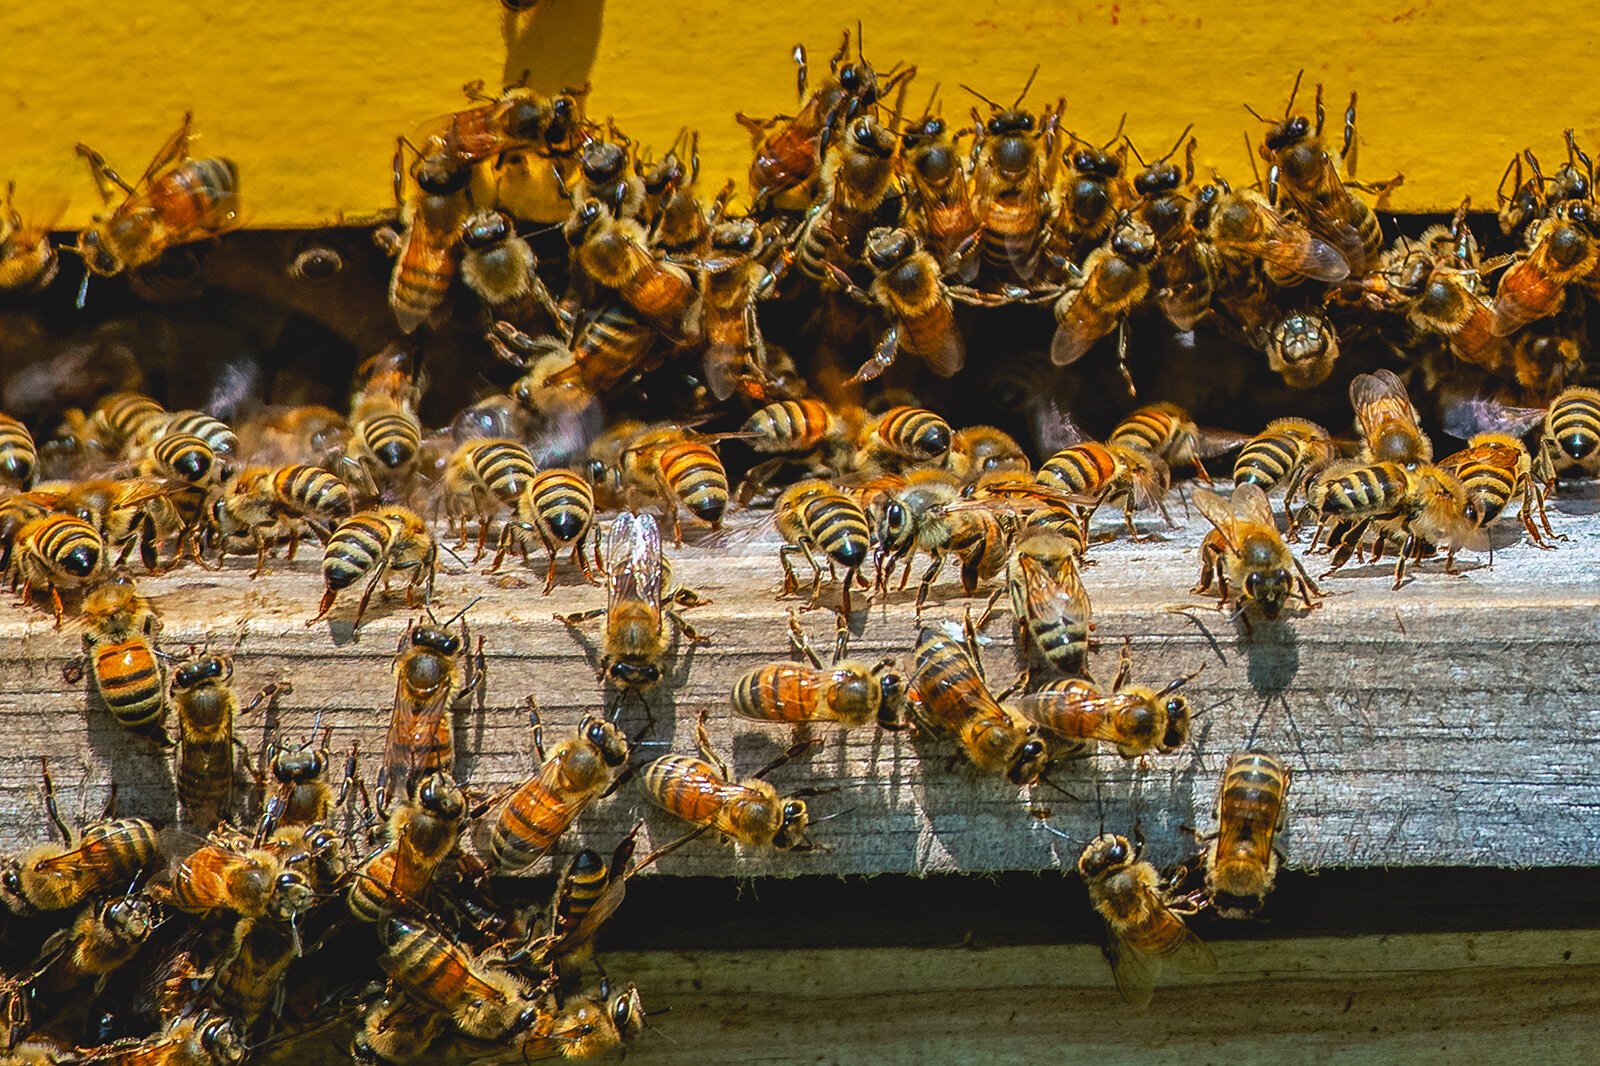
x,y
308,97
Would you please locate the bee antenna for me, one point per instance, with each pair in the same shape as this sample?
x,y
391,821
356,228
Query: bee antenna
x,y
980,96
1025,87
1294,91
1135,150
1115,137
453,618
1259,117
1178,144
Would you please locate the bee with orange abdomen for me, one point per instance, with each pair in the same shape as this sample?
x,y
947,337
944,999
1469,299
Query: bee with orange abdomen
x,y
637,585
218,875
736,353
121,628
847,692
748,811
396,1029
912,294
178,200
950,698
558,506
104,858
583,767
979,450
1310,183
19,458
1136,720
1144,928
1112,474
903,435
789,152
814,515
940,205
1448,301
681,468
1242,857
1116,279
1010,189
372,544
483,477
1048,601
1493,468
501,268
610,347
262,502
1572,430
433,671
1246,552
53,553
427,248
1563,250
485,1001
208,749
421,833
1391,429
102,938
494,125
1166,431
28,261
614,252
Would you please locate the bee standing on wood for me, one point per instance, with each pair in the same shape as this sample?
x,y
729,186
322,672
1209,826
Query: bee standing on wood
x,y
1246,552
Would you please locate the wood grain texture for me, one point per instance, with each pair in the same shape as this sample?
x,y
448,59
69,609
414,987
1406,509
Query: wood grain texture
x,y
1450,722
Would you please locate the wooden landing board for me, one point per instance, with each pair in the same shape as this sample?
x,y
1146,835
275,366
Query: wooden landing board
x,y
1451,722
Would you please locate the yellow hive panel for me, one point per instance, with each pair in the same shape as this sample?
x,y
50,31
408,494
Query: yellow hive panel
x,y
308,98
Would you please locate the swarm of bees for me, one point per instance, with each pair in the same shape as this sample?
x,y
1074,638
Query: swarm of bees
x,y
637,347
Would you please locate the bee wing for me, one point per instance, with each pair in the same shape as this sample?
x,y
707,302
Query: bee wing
x,y
1469,416
948,354
1457,461
1053,595
1309,257
1218,511
1076,716
633,551
1151,483
1379,388
1134,971
1250,503
412,727
1053,427
1075,335
1189,953
87,856
1210,441
1175,303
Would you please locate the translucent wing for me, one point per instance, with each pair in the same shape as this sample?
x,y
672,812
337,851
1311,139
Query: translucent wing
x,y
633,552
414,728
1251,504
1217,511
1307,257
1076,332
948,354
1468,416
1210,441
1054,428
1134,972
1077,716
1056,596
1189,953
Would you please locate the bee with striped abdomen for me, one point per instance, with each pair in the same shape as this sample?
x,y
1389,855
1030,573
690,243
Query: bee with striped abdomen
x,y
53,552
1166,431
19,458
485,1001
208,748
1572,431
371,545
910,290
1136,720
1245,551
182,457
1391,429
1242,857
736,353
1423,507
1048,602
1287,453
221,874
427,248
120,631
1493,469
903,436
847,692
421,834
557,506
1111,474
748,811
680,467
1116,279
529,822
261,503
434,670
614,253
482,478
813,515
950,698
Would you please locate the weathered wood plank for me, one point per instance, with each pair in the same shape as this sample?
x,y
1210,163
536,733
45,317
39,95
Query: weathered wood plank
x,y
1450,722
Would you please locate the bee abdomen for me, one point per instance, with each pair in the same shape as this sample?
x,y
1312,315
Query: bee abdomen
x,y
771,693
19,458
529,825
1266,461
393,437
1080,468
311,489
129,681
563,504
506,468
354,549
788,425
697,478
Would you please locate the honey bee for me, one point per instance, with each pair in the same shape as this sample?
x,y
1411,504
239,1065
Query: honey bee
x,y
484,1000
262,501
434,670
1116,279
1048,600
1244,226
422,832
1303,348
1493,468
1310,182
636,576
940,205
1287,453
300,794
196,1039
482,477
1144,928
1572,430
529,822
19,459
396,1029
1390,425
428,248
254,967
949,698
813,515
583,1027
747,811
182,457
102,938
603,167
736,353
1136,720
53,552
1425,506
1166,431
904,435
372,544
178,200
218,875
979,450
208,748
118,421
614,252
105,857
1241,859
680,467
924,516
912,294
673,211
501,268
855,184
847,692
610,347
789,152
1183,276
1246,551
558,506
120,630
1111,474
1010,191
1039,509
133,512
217,434
28,261
1563,249
1088,200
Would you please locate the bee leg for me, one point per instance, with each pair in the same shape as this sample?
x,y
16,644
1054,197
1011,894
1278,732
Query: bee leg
x,y
580,618
1124,666
926,583
702,743
582,560
988,609
60,608
1308,588
1400,560
799,642
791,582
50,802
694,635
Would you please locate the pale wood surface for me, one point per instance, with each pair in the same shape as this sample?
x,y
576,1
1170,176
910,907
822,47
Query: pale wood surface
x,y
1452,722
